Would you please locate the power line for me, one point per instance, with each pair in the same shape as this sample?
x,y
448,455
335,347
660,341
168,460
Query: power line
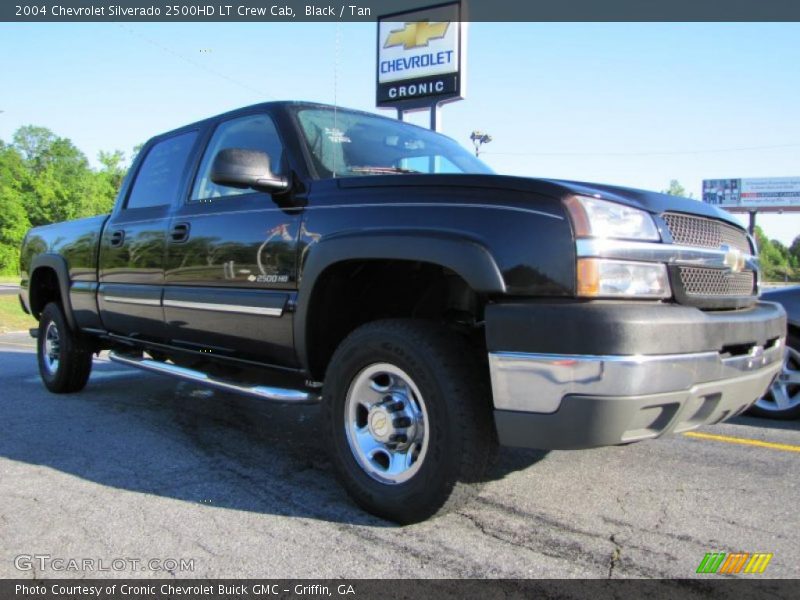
x,y
647,153
194,63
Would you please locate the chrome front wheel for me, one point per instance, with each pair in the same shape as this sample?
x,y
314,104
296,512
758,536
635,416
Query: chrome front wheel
x,y
782,400
408,418
386,423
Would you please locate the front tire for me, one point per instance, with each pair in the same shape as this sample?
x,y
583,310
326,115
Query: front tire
x,y
64,362
782,399
408,419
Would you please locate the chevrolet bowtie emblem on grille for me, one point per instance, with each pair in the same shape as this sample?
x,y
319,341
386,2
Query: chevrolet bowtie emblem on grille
x,y
734,259
416,35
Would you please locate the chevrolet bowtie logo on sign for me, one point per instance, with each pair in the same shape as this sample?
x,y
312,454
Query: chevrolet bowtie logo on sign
x,y
420,57
416,35
729,564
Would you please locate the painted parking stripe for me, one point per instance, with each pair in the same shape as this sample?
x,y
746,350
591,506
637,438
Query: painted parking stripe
x,y
743,441
19,345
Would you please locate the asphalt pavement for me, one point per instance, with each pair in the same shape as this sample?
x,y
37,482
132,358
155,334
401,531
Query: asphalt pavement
x,y
140,467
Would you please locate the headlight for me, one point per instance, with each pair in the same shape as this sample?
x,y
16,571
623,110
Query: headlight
x,y
601,278
599,218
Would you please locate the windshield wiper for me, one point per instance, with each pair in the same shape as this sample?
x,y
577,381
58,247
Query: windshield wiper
x,y
379,170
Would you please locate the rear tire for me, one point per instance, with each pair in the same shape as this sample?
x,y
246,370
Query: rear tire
x,y
408,419
64,361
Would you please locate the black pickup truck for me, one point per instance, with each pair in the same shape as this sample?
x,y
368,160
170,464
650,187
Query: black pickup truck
x,y
304,253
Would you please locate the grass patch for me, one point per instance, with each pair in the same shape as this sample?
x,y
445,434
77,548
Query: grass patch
x,y
11,316
14,279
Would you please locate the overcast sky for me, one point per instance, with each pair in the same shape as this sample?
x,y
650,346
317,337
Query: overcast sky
x,y
631,104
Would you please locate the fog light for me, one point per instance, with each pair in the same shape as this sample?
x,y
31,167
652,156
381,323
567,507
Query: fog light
x,y
601,278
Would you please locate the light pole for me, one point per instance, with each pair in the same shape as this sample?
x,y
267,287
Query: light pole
x,y
478,139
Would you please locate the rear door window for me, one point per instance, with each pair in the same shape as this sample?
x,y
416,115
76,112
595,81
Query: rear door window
x,y
159,178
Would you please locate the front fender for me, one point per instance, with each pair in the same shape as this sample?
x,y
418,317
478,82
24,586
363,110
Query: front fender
x,y
466,257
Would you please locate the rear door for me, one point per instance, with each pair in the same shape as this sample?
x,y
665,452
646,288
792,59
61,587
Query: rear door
x,y
134,240
231,258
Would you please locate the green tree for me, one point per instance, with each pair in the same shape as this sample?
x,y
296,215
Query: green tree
x,y
34,144
44,179
794,249
13,217
104,184
114,167
59,178
676,189
775,258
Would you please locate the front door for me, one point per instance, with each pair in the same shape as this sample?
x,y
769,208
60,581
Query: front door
x,y
134,241
231,258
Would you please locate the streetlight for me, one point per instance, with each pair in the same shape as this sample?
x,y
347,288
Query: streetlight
x,y
479,138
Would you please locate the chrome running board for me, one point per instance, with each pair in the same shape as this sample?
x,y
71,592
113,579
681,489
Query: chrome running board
x,y
258,391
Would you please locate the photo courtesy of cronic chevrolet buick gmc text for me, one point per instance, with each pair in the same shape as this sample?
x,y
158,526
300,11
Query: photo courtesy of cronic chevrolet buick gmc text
x,y
304,253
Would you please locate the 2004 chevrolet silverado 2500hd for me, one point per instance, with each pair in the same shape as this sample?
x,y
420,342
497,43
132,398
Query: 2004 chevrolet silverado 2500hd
x,y
299,252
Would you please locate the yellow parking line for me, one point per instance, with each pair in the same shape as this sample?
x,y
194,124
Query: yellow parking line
x,y
31,346
743,441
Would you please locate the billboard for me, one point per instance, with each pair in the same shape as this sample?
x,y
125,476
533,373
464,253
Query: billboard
x,y
763,194
420,57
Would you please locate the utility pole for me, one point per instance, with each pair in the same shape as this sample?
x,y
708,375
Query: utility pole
x,y
478,139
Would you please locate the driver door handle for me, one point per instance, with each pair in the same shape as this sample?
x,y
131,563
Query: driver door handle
x,y
179,233
117,238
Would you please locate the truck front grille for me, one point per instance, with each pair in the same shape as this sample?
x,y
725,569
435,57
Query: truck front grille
x,y
689,230
701,281
707,287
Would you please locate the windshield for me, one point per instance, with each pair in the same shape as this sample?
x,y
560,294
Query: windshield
x,y
348,144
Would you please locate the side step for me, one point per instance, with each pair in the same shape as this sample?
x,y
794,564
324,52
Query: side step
x,y
257,391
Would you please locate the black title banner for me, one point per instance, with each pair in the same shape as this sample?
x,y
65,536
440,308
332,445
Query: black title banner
x,y
370,10
390,589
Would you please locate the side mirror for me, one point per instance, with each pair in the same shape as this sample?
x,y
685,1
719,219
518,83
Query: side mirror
x,y
242,168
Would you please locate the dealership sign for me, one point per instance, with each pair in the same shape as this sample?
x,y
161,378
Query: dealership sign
x,y
420,57
762,194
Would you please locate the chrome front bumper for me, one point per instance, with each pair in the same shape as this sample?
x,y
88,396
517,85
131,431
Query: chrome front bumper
x,y
580,401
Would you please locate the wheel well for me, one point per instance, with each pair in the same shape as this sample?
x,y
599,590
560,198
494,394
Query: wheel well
x,y
43,289
352,293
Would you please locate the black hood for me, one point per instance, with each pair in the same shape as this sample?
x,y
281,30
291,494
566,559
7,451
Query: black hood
x,y
653,202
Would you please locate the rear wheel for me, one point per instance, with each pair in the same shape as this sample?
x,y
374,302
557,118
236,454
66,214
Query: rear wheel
x,y
409,419
782,400
64,362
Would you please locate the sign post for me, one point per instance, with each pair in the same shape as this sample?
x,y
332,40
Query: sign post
x,y
421,60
